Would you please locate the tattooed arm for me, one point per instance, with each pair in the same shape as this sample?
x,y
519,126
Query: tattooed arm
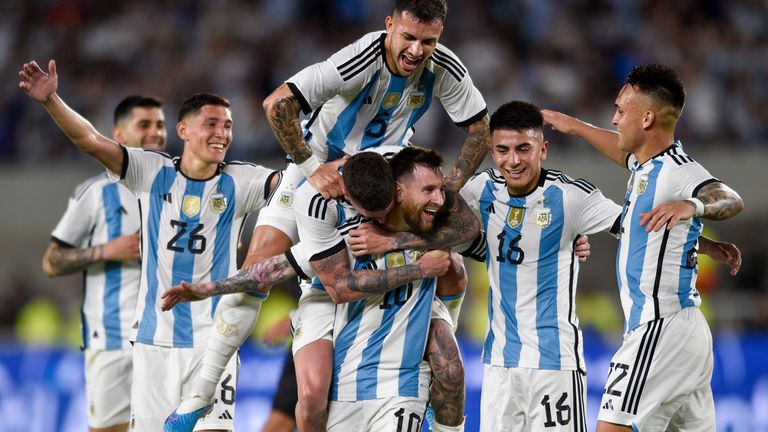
x,y
60,259
473,152
446,395
344,284
261,277
284,115
720,203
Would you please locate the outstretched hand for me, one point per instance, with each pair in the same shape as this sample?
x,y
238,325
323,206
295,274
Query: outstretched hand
x,y
326,178
369,238
36,83
667,214
560,122
185,292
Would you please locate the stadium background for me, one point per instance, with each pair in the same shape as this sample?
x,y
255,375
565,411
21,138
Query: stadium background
x,y
569,55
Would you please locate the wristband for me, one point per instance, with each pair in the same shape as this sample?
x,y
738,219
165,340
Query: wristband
x,y
699,206
309,166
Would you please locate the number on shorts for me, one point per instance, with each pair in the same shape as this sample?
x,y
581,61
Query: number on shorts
x,y
227,391
622,369
413,417
562,411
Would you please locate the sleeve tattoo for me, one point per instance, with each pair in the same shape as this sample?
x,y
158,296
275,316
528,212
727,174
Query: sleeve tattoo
x,y
286,125
720,201
261,277
473,152
65,260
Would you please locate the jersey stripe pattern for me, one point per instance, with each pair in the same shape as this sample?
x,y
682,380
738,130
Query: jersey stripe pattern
x,y
357,103
191,230
98,212
657,271
532,266
379,342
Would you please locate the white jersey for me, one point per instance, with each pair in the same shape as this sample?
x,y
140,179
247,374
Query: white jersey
x,y
657,271
379,342
98,212
358,103
532,266
190,233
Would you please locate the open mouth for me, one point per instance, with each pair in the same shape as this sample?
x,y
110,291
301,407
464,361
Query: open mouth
x,y
218,147
515,173
409,64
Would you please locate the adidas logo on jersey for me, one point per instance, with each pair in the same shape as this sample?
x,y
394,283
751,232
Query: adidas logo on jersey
x,y
608,405
225,415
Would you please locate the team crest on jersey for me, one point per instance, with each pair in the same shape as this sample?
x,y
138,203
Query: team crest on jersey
x,y
190,205
390,100
642,184
395,259
543,217
515,216
218,202
285,200
415,100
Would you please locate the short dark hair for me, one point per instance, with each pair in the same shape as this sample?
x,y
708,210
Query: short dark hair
x,y
426,11
194,103
660,82
405,161
368,180
517,116
126,106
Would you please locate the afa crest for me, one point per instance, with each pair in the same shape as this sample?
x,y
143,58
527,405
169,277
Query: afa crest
x,y
390,100
285,200
642,184
218,202
190,205
543,217
415,100
515,216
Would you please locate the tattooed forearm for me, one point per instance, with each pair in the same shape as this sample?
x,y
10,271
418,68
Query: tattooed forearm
x,y
260,277
447,392
61,260
456,226
720,201
380,281
473,152
286,125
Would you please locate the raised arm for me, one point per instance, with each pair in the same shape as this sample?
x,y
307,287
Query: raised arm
x,y
457,226
284,115
473,152
41,87
59,259
603,140
345,285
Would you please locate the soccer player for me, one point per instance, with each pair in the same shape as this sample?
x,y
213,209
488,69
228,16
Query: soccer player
x,y
368,94
192,209
98,234
659,379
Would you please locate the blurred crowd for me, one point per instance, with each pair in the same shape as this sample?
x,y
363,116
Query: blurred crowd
x,y
564,54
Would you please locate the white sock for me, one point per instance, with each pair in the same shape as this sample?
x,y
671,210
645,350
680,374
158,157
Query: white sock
x,y
453,303
236,315
437,427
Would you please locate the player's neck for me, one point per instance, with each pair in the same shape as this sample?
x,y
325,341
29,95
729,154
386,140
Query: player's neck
x,y
197,169
653,146
395,220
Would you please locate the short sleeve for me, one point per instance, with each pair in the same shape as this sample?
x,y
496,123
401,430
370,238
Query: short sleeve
x,y
79,218
316,219
594,213
456,91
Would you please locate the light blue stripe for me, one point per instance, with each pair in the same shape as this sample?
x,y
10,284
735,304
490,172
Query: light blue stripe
x,y
638,243
367,370
426,87
160,186
685,291
376,129
346,121
508,287
112,269
416,339
547,327
222,252
184,268
486,199
446,298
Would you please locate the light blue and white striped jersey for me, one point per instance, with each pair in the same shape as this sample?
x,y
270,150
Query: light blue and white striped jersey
x,y
657,271
532,266
379,342
358,103
98,212
190,230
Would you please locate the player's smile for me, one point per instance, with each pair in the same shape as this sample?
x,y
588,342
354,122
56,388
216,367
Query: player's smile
x,y
518,154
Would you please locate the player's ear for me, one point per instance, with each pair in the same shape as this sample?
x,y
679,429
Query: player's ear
x,y
117,135
181,130
544,147
399,191
388,23
649,118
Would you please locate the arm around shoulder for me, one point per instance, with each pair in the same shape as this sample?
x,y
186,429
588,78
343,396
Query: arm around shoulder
x,y
603,140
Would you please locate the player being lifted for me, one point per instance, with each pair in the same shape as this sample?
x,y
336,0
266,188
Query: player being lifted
x,y
368,94
192,209
98,234
659,379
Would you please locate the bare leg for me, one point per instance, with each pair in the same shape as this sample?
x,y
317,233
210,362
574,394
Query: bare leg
x,y
279,422
313,378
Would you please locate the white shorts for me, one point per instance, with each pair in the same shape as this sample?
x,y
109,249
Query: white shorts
x,y
279,210
108,375
396,414
440,311
313,318
660,376
162,375
524,399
